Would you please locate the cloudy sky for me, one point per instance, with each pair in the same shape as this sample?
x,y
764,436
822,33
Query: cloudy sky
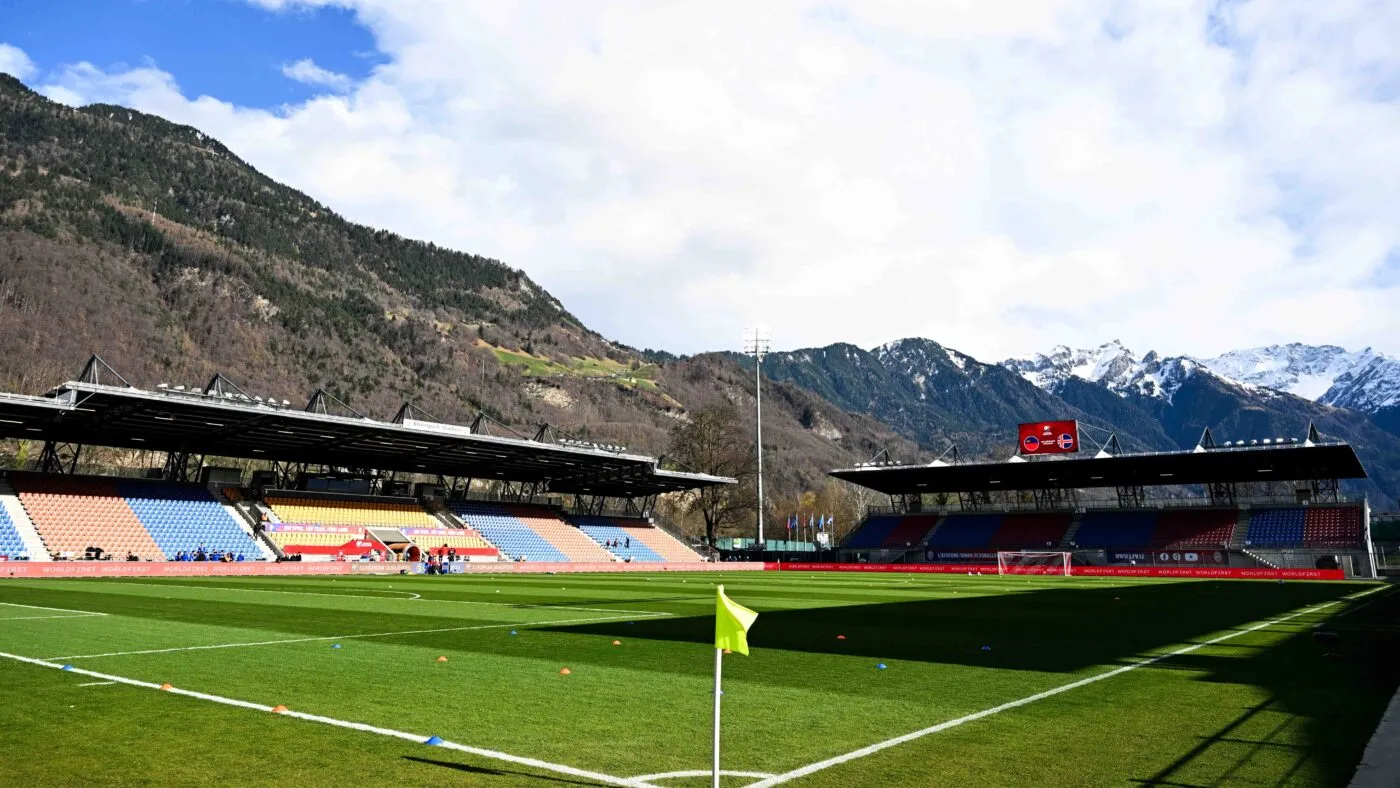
x,y
998,176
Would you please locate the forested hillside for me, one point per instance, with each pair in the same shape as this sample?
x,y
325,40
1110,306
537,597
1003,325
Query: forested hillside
x,y
161,250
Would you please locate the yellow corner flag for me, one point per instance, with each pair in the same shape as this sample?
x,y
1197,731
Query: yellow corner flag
x,y
732,622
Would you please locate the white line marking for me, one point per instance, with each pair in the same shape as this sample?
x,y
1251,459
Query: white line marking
x,y
943,726
699,773
59,609
39,618
359,726
524,625
96,683
411,597
1351,610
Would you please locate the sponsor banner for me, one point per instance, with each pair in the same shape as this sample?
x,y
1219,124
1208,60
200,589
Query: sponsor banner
x,y
315,529
215,569
1079,571
434,532
959,555
1159,557
187,568
354,547
1048,437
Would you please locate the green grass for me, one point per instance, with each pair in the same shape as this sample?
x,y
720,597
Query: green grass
x,y
1263,707
643,377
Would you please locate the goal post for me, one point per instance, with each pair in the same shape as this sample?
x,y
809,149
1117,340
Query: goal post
x,y
1030,562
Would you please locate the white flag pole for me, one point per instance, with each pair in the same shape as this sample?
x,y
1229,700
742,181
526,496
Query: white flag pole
x,y
719,661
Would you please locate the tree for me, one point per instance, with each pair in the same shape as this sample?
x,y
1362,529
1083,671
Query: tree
x,y
713,441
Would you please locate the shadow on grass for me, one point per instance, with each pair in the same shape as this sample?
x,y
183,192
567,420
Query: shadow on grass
x,y
487,772
1319,714
1045,629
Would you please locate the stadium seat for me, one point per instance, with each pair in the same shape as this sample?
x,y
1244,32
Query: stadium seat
x,y
1116,530
1181,528
1276,527
11,546
873,532
1031,531
73,513
649,543
1332,526
513,536
328,510
966,530
184,517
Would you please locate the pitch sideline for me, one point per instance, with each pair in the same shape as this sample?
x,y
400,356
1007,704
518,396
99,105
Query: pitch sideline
x,y
525,625
813,768
358,726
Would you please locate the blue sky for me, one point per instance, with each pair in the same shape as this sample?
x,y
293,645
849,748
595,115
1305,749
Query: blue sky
x,y
224,48
1190,176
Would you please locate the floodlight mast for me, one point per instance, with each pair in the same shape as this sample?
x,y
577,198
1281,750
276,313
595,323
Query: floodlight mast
x,y
756,344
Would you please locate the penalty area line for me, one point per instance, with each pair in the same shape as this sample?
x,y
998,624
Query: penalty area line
x,y
56,609
523,625
1029,699
416,738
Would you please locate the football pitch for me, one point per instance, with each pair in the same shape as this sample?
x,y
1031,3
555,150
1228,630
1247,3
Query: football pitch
x,y
1006,681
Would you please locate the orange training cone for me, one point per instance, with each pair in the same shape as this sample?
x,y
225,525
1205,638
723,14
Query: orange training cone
x,y
166,687
442,659
279,709
565,671
727,651
840,637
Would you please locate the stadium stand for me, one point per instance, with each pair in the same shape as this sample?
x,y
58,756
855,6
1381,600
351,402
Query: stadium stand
x,y
1116,530
1275,527
11,546
570,541
1311,527
185,517
293,507
72,514
1030,531
1332,526
1182,528
604,531
512,535
892,531
649,543
966,530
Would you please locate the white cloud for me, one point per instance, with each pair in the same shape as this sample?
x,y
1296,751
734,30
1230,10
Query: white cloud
x,y
307,72
15,62
1189,176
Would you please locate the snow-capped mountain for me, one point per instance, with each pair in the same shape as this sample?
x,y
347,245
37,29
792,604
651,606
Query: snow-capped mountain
x,y
1362,380
1110,365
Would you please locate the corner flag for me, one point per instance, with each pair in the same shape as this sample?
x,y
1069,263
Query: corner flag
x,y
732,622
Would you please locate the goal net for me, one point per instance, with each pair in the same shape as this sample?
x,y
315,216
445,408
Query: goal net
x,y
1032,563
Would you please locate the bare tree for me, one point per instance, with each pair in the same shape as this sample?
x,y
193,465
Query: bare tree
x,y
714,441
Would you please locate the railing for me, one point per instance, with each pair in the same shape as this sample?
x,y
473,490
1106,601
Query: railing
x,y
1148,504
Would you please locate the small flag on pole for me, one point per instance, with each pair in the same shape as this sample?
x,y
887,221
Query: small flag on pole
x,y
732,622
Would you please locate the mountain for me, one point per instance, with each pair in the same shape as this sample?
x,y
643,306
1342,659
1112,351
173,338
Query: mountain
x,y
1364,380
167,254
1184,395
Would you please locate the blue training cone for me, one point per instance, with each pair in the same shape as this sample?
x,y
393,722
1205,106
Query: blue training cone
x,y
434,740
512,632
66,667
337,645
880,666
986,648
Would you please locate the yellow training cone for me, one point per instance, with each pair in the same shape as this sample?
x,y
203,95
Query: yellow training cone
x,y
442,659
